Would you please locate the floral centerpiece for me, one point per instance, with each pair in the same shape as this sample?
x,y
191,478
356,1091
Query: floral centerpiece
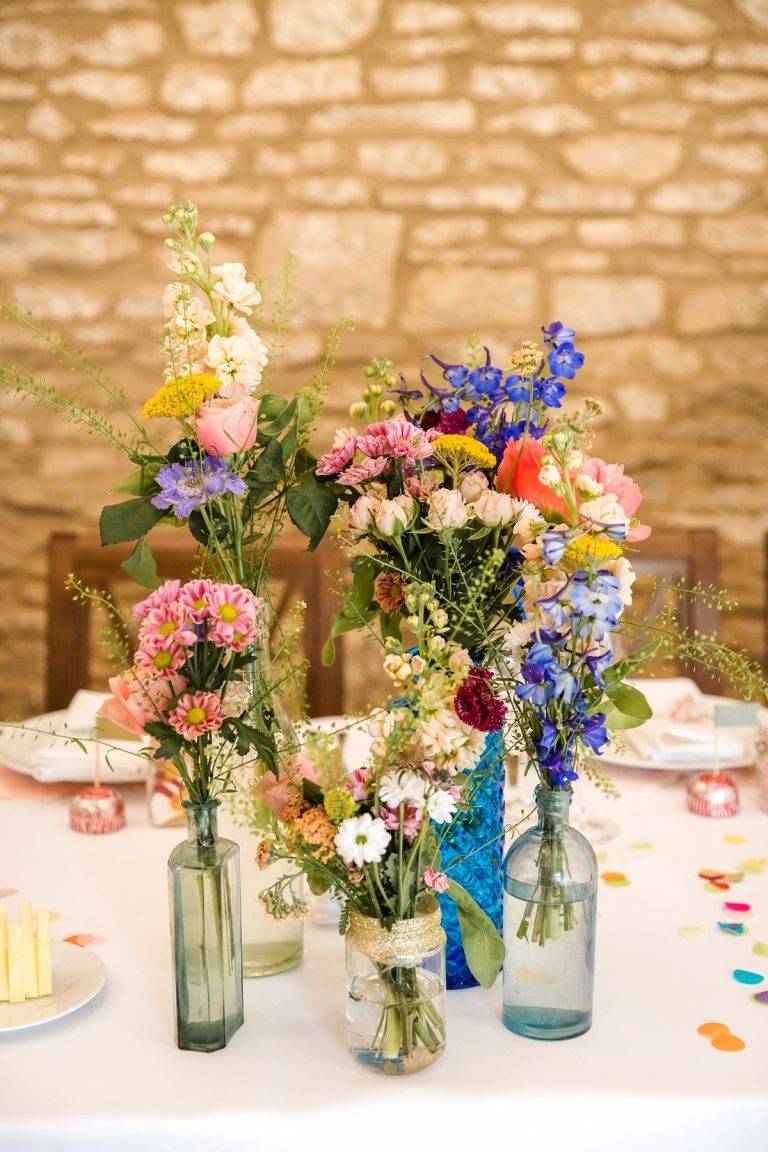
x,y
373,837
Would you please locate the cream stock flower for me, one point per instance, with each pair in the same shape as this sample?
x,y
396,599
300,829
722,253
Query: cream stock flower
x,y
231,287
238,361
446,510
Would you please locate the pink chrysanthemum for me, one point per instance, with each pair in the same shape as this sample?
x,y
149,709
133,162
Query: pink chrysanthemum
x,y
160,655
195,714
338,457
166,621
232,612
476,704
192,598
166,594
365,470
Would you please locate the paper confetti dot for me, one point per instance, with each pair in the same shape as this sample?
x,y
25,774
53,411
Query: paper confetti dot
x,y
7,892
85,940
733,929
716,886
734,838
642,846
760,997
753,866
710,874
690,932
733,906
601,857
761,948
733,877
727,1042
743,976
713,1028
615,879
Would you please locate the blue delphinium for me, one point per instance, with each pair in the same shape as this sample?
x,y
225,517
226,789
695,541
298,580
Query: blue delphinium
x,y
565,361
186,486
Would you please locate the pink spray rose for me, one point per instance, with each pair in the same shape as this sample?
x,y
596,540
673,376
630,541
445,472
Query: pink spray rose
x,y
226,426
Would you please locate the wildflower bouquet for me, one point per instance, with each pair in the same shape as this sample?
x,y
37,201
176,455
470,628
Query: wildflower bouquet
x,y
186,687
373,837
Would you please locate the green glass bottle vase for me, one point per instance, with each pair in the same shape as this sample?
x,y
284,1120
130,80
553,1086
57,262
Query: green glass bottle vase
x,y
204,894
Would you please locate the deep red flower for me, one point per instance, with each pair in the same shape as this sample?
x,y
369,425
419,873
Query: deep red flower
x,y
476,704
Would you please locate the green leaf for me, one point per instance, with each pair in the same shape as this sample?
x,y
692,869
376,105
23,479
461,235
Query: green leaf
x,y
317,881
271,407
312,793
169,742
280,422
268,470
628,664
483,946
311,506
128,521
133,485
141,566
628,708
198,525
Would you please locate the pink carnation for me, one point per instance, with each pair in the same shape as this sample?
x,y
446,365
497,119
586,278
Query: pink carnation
x,y
195,714
192,599
437,881
365,470
139,697
358,783
337,458
398,438
165,594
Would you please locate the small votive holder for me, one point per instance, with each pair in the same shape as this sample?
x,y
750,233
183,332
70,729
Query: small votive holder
x,y
96,810
713,794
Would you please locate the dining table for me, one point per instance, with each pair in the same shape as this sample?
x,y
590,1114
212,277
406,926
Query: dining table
x,y
110,1076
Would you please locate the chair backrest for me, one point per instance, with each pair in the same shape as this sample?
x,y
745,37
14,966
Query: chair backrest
x,y
690,556
296,574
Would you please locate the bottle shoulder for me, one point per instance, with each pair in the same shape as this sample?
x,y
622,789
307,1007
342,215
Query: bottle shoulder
x,y
190,856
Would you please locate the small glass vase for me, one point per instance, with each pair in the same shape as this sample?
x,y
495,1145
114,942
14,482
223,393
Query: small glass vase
x,y
550,881
204,893
396,991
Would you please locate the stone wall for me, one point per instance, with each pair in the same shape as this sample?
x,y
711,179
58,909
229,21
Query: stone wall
x,y
440,166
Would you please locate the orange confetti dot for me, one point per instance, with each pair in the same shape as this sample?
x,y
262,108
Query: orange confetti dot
x,y
713,1028
711,886
85,939
727,1042
615,879
710,874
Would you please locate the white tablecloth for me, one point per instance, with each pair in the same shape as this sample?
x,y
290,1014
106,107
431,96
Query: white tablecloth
x,y
110,1077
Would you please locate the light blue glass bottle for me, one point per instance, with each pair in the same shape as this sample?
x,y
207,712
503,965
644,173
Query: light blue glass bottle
x,y
204,891
550,895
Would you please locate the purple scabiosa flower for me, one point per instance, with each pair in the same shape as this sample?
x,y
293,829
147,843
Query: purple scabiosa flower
x,y
564,360
185,486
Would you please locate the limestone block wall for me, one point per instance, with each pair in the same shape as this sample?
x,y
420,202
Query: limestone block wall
x,y
440,167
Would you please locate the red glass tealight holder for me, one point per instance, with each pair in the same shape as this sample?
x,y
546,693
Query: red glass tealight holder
x,y
96,810
713,794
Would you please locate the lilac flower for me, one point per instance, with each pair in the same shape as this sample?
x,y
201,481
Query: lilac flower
x,y
184,487
564,360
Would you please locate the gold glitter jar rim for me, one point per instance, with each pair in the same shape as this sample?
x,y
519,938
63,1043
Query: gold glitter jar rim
x,y
406,941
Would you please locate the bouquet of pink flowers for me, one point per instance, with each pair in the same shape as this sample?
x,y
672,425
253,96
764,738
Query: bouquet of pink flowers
x,y
187,688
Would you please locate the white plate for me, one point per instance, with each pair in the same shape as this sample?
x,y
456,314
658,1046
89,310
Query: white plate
x,y
18,748
78,976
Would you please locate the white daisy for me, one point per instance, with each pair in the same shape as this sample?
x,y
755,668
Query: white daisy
x,y
362,840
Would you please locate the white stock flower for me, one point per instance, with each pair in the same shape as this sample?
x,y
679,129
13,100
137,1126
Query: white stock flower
x,y
526,515
440,806
472,485
588,486
381,723
446,510
232,287
494,509
624,573
238,361
460,661
604,510
449,741
517,635
362,840
398,667
550,477
402,787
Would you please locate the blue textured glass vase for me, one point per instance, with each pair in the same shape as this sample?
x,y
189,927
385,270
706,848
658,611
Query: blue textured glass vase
x,y
476,835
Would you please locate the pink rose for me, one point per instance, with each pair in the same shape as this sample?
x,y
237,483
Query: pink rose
x,y
276,789
227,426
138,697
616,483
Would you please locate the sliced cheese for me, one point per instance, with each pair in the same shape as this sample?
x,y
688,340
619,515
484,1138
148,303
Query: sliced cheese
x,y
16,981
44,977
3,953
29,947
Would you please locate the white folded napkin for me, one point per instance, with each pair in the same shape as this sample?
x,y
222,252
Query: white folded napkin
x,y
55,758
682,730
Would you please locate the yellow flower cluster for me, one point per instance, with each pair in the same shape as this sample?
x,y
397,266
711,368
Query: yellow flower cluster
x,y
526,359
339,804
590,550
181,397
463,450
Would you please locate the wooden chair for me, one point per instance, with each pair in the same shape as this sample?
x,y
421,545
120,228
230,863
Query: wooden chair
x,y
689,555
297,575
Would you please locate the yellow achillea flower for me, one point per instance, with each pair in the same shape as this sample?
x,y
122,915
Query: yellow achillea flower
x,y
461,450
590,550
181,397
339,803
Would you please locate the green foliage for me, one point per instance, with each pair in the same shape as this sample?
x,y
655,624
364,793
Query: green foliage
x,y
311,504
128,521
357,610
169,742
141,566
628,707
483,946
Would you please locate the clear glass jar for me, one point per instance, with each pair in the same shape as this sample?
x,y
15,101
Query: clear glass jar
x,y
204,894
550,882
396,991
